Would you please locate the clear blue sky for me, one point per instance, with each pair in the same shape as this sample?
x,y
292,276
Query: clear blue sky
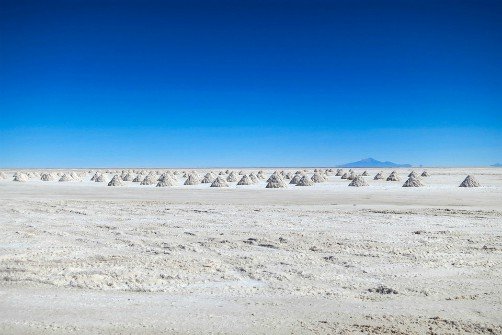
x,y
249,83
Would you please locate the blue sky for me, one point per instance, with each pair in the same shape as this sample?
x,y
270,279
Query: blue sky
x,y
249,83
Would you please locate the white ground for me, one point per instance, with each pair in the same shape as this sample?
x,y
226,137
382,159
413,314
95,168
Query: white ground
x,y
81,257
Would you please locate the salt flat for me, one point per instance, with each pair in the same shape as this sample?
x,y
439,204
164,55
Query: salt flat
x,y
82,257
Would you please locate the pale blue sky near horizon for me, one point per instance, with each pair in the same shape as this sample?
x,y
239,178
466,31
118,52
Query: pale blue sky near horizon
x,y
249,83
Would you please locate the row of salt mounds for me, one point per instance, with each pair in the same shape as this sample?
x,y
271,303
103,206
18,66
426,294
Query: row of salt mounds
x,y
275,181
219,182
413,182
470,181
393,176
245,180
305,181
116,181
378,176
358,181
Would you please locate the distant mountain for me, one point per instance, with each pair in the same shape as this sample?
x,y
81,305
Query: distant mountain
x,y
496,165
372,163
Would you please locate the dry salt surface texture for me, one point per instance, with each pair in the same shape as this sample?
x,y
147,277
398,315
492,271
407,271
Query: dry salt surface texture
x,y
84,258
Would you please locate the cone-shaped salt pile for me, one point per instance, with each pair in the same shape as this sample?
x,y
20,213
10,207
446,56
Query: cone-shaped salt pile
x,y
351,176
413,182
116,181
393,177
425,174
100,179
317,178
65,177
358,181
227,171
470,181
288,176
241,173
208,178
296,179
128,177
345,175
273,176
219,182
275,181
96,175
305,181
192,180
222,173
339,173
253,177
413,174
138,179
167,180
149,180
245,180
21,177
365,173
232,177
47,177
260,175
74,175
378,176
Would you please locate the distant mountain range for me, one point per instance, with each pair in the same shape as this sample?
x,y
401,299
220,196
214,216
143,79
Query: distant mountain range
x,y
372,163
496,165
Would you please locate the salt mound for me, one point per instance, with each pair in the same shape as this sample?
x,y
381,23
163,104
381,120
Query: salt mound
x,y
393,177
288,176
47,177
232,177
245,180
2,175
358,181
470,181
378,176
95,176
296,179
192,180
345,175
166,179
365,173
219,182
305,181
413,174
100,179
241,173
413,182
351,176
208,178
317,178
116,181
253,177
425,174
65,177
339,172
150,179
275,181
128,177
260,175
138,179
21,177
